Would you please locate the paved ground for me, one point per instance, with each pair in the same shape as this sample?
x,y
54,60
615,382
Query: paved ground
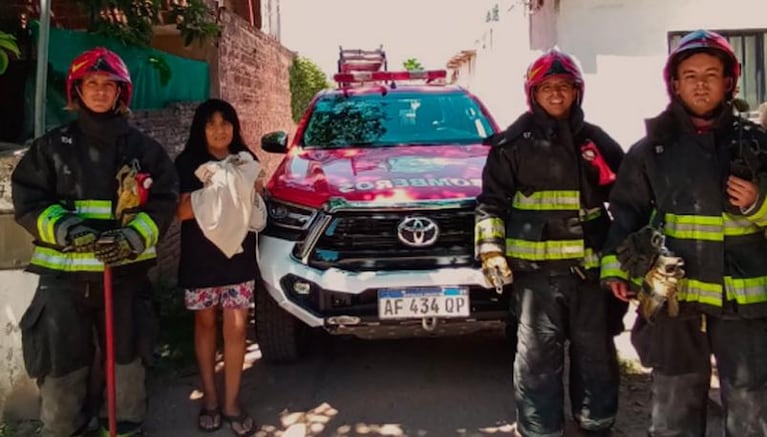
x,y
439,387
434,387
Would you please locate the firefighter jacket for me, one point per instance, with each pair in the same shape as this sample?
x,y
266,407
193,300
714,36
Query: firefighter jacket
x,y
542,203
675,179
69,176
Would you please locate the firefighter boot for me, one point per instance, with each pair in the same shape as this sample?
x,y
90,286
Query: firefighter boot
x,y
62,403
131,399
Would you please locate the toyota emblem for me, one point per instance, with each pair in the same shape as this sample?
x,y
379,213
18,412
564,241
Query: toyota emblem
x,y
417,231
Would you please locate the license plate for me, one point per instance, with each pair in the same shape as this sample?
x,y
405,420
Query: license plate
x,y
416,303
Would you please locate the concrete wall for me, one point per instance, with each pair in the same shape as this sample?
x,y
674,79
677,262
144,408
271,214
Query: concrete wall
x,y
18,394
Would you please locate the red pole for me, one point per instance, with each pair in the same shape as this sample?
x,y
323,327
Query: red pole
x,y
110,358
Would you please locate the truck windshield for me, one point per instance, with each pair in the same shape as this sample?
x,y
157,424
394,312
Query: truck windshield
x,y
395,118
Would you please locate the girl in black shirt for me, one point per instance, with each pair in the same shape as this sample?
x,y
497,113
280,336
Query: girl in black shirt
x,y
212,280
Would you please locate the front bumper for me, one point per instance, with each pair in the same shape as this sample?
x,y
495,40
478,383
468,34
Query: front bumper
x,y
345,301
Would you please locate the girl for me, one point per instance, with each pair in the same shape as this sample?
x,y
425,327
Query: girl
x,y
212,280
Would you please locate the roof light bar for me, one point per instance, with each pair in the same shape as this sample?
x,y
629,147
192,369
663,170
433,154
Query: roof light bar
x,y
383,76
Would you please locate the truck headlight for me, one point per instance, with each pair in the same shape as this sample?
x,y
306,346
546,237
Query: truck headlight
x,y
289,215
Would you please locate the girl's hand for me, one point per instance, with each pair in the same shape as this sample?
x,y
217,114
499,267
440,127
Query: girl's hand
x,y
260,184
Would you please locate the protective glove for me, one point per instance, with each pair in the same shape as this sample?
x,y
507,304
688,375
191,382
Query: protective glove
x,y
118,245
81,239
496,270
660,286
639,251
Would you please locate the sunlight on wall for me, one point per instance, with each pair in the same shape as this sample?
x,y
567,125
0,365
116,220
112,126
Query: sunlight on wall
x,y
626,91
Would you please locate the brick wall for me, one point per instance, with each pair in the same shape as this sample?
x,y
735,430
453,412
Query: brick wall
x,y
169,127
253,77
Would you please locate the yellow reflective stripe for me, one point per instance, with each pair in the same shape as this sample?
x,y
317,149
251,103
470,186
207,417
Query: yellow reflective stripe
x,y
77,262
46,223
590,259
544,250
694,227
94,209
759,217
611,268
548,200
591,214
489,229
746,290
692,290
736,226
145,226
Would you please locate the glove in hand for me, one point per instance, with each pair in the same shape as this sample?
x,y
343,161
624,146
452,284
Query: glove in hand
x,y
118,245
496,270
639,251
81,239
660,287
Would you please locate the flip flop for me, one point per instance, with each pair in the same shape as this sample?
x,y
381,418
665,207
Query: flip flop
x,y
214,419
237,423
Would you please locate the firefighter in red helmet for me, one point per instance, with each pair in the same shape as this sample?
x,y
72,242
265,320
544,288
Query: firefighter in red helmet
x,y
540,225
696,181
78,184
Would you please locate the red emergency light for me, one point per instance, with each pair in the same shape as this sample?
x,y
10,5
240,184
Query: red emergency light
x,y
385,76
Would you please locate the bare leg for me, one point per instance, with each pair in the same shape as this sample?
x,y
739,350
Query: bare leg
x,y
235,324
205,348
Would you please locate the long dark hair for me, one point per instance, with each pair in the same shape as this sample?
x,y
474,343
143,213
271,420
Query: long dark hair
x,y
197,145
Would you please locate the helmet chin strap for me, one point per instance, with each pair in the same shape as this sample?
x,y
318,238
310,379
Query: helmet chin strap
x,y
117,97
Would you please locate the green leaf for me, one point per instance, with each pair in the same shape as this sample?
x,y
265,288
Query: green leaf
x,y
8,42
162,67
3,62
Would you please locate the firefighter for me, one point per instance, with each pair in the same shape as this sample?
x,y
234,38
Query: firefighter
x,y
541,215
698,180
93,192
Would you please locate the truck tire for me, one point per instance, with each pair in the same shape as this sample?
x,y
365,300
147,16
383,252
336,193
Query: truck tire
x,y
280,336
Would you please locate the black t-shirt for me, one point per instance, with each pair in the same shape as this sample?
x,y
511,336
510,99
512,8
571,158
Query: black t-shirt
x,y
202,264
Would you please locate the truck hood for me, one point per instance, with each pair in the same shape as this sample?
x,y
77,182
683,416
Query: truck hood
x,y
398,174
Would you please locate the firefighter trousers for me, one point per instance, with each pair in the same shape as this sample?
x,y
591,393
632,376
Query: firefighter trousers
x,y
679,351
554,309
61,331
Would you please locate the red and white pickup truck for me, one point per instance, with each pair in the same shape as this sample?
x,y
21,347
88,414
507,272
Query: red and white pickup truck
x,y
371,213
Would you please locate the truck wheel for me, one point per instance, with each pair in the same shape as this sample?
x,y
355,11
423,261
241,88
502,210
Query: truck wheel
x,y
280,336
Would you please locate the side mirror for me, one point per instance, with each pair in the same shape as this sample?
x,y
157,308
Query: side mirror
x,y
275,142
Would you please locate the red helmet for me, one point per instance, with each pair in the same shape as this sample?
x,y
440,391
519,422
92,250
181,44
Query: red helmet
x,y
104,61
706,41
551,64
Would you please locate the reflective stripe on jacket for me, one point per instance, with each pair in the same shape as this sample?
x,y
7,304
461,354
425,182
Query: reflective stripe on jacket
x,y
67,179
682,174
541,202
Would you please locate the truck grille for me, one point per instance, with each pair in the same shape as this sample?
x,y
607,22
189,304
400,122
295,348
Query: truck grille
x,y
360,241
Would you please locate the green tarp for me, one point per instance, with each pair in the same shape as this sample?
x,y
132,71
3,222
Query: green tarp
x,y
189,79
